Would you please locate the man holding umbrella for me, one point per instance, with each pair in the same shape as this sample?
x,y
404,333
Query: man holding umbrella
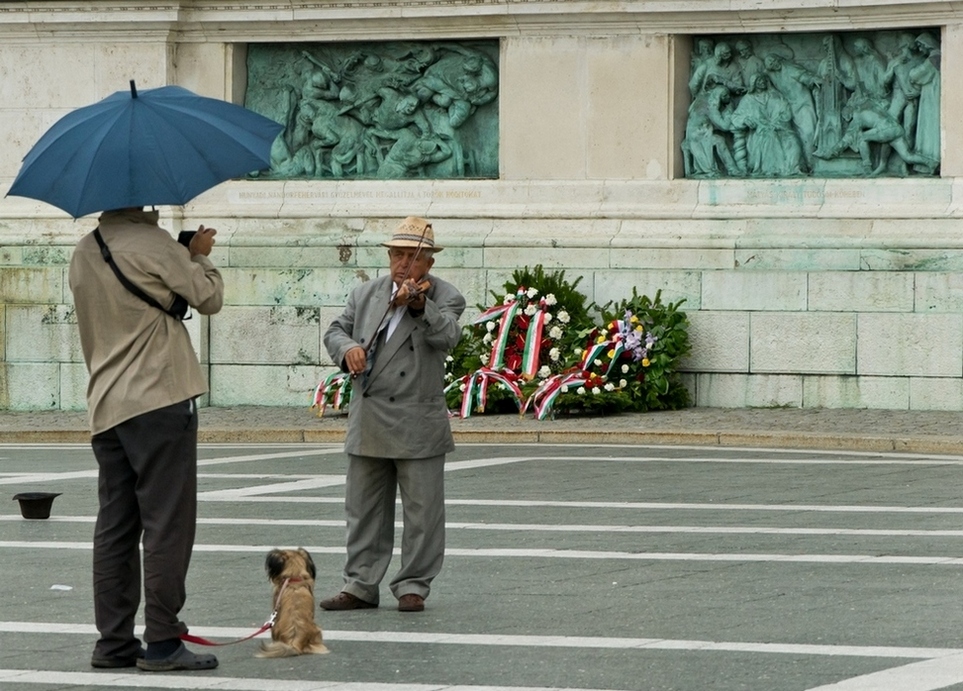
x,y
144,377
132,284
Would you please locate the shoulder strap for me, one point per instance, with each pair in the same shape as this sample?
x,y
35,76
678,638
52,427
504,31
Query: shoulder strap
x,y
177,310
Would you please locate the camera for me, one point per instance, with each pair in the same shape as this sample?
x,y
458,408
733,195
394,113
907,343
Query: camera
x,y
185,236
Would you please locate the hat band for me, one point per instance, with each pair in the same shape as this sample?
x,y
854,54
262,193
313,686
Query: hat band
x,y
413,238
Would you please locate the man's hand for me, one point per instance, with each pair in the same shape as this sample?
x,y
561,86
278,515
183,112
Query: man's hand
x,y
412,294
203,241
355,360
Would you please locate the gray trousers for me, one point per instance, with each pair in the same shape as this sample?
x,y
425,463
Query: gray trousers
x,y
147,488
370,508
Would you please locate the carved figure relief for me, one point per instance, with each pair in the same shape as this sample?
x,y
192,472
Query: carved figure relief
x,y
379,110
814,105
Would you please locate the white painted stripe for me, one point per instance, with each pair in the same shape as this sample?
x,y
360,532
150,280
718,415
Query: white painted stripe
x,y
304,451
927,675
26,478
229,633
631,505
315,482
64,446
270,500
661,506
256,476
135,680
552,528
559,554
699,530
223,476
722,449
701,448
732,460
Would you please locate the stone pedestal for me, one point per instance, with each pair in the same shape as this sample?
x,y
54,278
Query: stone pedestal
x,y
808,292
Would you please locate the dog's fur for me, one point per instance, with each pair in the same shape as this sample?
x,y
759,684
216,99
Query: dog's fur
x,y
295,631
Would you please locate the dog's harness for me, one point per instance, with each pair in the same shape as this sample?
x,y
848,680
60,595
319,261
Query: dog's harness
x,y
190,638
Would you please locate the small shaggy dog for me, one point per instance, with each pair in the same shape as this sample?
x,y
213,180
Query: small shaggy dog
x,y
292,573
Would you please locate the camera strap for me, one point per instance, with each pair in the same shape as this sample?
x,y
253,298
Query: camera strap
x,y
178,310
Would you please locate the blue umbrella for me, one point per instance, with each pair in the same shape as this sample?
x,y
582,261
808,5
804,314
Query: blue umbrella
x,y
159,146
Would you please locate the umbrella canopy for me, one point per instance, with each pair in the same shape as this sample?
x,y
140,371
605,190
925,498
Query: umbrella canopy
x,y
159,146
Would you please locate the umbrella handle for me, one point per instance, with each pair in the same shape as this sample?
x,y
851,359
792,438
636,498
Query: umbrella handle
x,y
133,89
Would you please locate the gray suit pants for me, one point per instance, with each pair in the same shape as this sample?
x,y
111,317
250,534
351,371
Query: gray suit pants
x,y
147,486
370,508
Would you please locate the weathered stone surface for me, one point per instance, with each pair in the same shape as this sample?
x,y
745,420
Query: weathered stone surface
x,y
720,342
861,291
741,390
42,333
807,342
269,335
754,290
890,393
917,345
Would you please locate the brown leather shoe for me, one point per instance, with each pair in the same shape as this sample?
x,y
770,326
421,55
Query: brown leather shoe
x,y
343,601
411,603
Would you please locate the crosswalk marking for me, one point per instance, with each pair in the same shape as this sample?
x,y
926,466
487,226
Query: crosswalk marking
x,y
530,641
564,528
509,553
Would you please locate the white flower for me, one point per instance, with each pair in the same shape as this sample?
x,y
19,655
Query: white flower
x,y
580,391
563,316
449,376
548,317
483,358
564,388
623,383
596,391
530,310
609,386
531,293
550,299
625,369
486,339
578,351
597,362
449,358
554,354
461,387
555,333
544,371
490,325
508,299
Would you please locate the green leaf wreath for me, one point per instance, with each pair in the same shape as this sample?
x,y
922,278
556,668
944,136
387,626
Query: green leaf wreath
x,y
537,347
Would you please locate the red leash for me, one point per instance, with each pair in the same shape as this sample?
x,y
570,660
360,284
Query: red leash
x,y
190,638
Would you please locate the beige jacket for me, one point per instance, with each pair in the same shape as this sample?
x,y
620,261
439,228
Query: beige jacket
x,y
139,358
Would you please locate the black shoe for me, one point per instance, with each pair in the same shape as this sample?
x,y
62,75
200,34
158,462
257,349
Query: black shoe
x,y
181,659
116,662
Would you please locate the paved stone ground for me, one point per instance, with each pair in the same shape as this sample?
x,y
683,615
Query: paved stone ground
x,y
619,568
865,430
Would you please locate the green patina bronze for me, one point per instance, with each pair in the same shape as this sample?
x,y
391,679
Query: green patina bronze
x,y
814,105
382,110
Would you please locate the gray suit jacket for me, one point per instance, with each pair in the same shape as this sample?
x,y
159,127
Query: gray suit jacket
x,y
399,410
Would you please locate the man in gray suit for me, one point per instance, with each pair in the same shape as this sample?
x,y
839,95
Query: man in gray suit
x,y
393,338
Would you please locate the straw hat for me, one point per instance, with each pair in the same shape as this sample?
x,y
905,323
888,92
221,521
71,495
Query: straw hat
x,y
414,231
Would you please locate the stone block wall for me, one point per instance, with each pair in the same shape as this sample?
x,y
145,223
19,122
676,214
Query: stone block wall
x,y
834,293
